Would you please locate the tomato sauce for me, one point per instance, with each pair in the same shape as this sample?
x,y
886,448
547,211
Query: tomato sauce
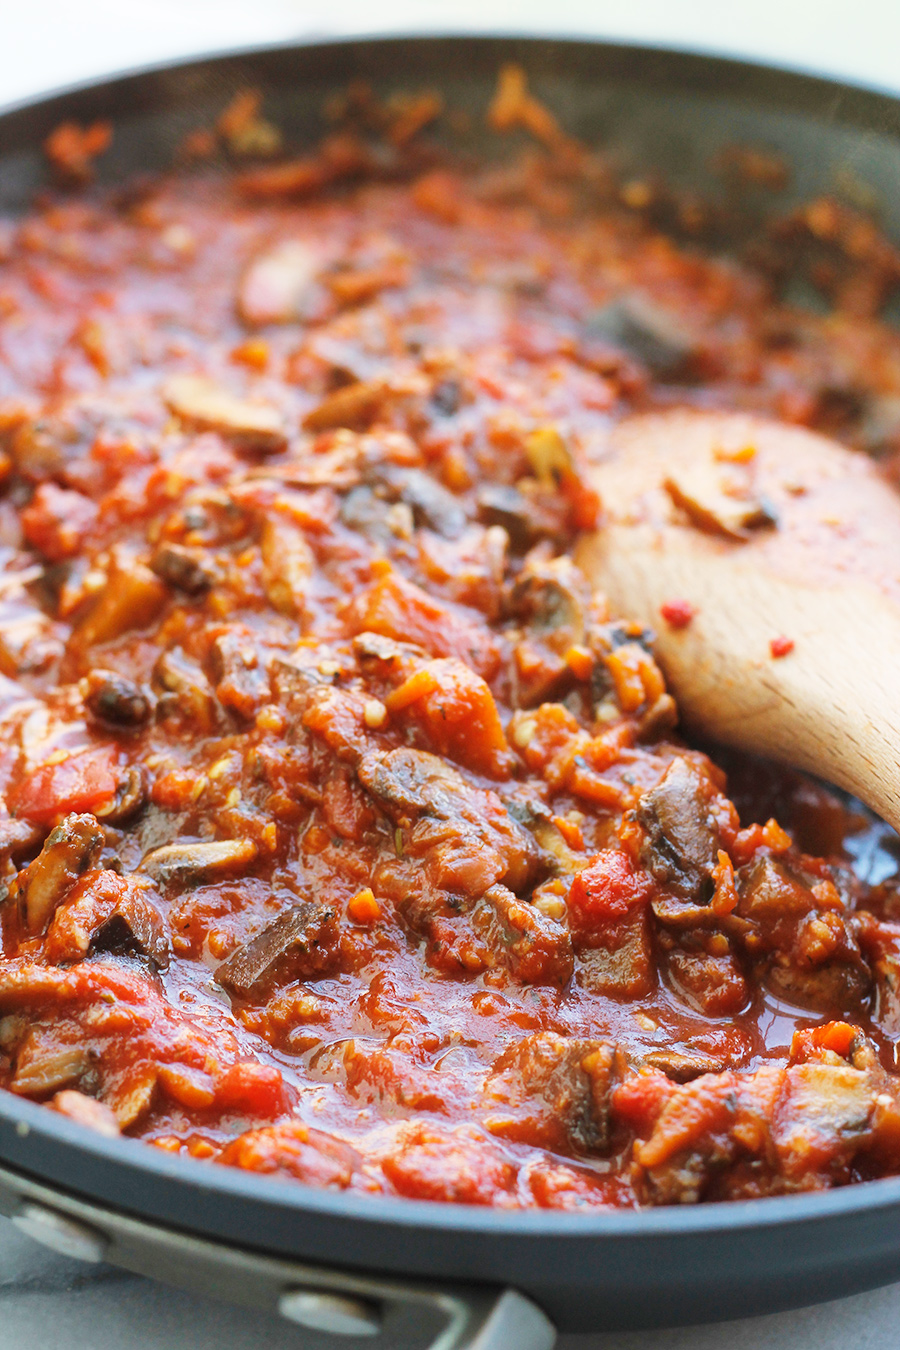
x,y
347,836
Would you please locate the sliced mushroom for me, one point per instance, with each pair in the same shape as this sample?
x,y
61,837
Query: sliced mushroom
x,y
704,495
681,837
549,455
279,285
135,927
131,794
71,848
185,569
197,860
683,1068
551,599
250,423
115,700
299,945
186,691
287,566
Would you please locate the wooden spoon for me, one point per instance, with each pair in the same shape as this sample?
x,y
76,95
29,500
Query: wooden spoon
x,y
773,535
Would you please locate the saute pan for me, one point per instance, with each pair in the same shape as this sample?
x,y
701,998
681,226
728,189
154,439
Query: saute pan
x,y
347,1263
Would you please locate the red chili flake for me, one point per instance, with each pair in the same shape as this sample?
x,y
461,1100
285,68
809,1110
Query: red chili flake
x,y
677,613
781,646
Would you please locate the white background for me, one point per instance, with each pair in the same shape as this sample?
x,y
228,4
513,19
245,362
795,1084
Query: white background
x,y
44,43
48,43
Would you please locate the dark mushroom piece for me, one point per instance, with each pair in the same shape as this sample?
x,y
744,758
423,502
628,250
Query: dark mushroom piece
x,y
131,794
184,569
643,330
115,700
299,945
561,1085
683,1068
195,860
431,504
135,927
519,514
185,690
681,838
551,600
70,849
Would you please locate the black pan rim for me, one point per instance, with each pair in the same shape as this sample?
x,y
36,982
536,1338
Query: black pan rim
x,y
23,1122
26,1121
868,96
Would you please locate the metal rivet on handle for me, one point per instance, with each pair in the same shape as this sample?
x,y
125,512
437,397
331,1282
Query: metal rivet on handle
x,y
60,1233
322,1311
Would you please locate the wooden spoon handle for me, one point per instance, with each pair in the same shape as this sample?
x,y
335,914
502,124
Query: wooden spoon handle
x,y
830,706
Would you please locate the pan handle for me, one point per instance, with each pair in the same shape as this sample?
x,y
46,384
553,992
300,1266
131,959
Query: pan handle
x,y
339,1301
501,1322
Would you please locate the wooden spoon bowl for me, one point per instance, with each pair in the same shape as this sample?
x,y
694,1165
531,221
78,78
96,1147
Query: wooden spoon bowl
x,y
785,550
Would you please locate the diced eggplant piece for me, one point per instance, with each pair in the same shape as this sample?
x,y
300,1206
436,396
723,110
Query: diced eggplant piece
x,y
681,839
887,993
132,1095
300,944
287,566
646,332
70,850
707,979
185,569
251,424
829,1105
135,927
242,685
833,988
200,860
279,285
454,818
44,1064
533,947
805,954
115,700
619,961
561,1084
